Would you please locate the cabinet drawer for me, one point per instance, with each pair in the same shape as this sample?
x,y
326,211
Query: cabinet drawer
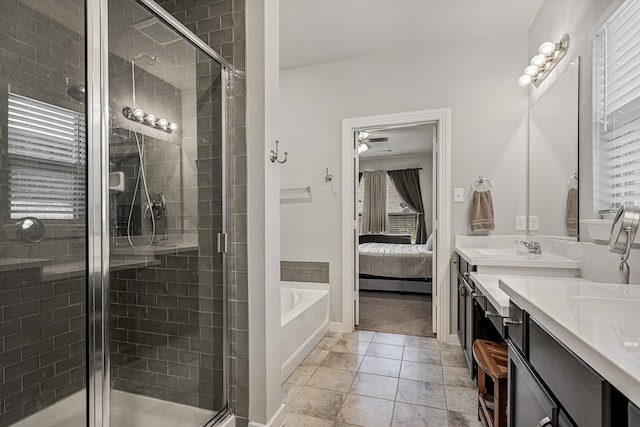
x,y
634,415
529,404
517,329
583,393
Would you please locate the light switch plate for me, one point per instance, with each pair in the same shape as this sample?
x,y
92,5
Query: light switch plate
x,y
534,223
458,195
521,223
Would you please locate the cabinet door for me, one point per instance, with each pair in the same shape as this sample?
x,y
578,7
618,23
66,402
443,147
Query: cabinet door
x,y
634,415
529,404
469,328
461,311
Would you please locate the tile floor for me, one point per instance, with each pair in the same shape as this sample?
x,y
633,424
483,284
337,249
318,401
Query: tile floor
x,y
375,379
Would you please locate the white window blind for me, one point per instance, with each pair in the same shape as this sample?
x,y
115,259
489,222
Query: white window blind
x,y
47,158
617,109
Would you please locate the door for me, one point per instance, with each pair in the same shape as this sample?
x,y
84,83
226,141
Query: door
x,y
356,242
434,205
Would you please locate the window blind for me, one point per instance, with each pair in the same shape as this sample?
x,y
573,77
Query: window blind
x,y
47,160
617,109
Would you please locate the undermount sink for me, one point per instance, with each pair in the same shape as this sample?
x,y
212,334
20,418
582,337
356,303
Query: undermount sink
x,y
501,252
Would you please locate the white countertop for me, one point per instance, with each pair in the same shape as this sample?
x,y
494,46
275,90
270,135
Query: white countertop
x,y
488,285
599,322
514,257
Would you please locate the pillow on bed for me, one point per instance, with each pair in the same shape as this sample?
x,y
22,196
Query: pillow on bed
x,y
430,242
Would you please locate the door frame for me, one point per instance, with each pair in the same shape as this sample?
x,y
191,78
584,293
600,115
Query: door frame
x,y
441,218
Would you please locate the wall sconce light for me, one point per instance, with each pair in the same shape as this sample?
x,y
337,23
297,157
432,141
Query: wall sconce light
x,y
549,54
139,116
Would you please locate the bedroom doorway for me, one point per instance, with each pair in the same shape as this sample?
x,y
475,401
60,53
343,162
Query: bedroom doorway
x,y
394,203
439,120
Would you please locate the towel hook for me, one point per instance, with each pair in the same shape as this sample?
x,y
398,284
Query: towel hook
x,y
328,177
273,155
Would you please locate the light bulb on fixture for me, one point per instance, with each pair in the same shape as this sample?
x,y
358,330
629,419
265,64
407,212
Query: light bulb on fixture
x,y
538,60
163,123
524,80
531,70
547,48
138,113
362,147
150,119
363,135
173,126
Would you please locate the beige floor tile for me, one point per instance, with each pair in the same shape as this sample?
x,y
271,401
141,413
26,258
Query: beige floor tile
x,y
358,335
317,403
345,361
421,372
289,391
450,347
422,355
421,393
407,415
297,420
375,386
380,366
332,379
461,399
352,347
301,375
315,358
385,350
457,376
422,342
326,343
366,411
453,358
386,338
459,419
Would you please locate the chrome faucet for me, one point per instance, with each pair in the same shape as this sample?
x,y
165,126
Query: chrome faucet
x,y
532,247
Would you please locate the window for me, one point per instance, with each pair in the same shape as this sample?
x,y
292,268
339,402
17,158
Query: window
x,y
617,110
401,218
47,158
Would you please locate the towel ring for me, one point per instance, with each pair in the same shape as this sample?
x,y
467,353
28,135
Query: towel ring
x,y
481,181
573,181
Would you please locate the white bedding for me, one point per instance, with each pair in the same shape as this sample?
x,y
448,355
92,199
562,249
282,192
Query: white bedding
x,y
395,260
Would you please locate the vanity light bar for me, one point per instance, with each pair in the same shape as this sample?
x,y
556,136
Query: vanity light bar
x,y
549,54
139,116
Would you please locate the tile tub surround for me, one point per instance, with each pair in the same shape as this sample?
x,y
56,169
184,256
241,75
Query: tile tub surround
x,y
42,342
304,271
380,379
591,319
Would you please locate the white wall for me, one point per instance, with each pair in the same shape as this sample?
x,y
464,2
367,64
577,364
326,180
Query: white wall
x,y
407,162
477,79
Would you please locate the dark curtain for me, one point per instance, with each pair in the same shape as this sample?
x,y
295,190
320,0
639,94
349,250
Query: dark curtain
x,y
359,177
407,183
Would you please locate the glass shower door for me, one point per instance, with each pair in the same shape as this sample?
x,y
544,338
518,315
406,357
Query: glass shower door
x,y
43,214
167,316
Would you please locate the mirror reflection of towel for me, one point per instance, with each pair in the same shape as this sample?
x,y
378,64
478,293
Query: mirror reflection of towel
x,y
482,211
572,210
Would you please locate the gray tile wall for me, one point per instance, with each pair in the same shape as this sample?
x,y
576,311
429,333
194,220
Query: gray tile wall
x,y
166,331
221,23
304,271
42,342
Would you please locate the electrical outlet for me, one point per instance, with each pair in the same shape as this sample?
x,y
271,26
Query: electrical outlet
x,y
534,223
458,195
521,223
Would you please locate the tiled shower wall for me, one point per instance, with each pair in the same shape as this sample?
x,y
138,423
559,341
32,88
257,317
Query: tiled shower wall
x,y
221,23
304,271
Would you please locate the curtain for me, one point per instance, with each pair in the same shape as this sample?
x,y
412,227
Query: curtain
x,y
359,177
407,183
374,209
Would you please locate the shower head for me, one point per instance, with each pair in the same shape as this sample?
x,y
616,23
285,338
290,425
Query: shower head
x,y
76,92
152,59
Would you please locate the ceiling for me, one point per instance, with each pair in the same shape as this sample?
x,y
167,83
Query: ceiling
x,y
403,141
319,31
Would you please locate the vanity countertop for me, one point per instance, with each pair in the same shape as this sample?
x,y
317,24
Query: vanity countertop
x,y
514,257
488,285
597,321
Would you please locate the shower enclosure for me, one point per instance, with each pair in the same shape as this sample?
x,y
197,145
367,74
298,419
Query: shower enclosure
x,y
112,217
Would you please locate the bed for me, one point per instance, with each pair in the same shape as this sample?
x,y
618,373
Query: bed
x,y
392,263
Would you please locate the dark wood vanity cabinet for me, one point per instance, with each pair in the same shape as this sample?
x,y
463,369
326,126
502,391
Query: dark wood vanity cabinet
x,y
466,332
634,415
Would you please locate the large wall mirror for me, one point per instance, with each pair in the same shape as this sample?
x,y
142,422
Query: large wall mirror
x,y
553,159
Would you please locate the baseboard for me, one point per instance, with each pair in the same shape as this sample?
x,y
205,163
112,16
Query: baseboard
x,y
230,421
277,420
453,339
340,327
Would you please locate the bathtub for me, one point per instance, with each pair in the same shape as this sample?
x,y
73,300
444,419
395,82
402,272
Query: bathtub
x,y
305,320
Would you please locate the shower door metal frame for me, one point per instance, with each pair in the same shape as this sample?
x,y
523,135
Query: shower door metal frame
x,y
98,252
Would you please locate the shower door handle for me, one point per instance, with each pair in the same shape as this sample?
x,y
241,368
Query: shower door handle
x,y
222,243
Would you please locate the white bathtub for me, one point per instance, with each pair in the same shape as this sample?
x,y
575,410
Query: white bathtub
x,y
305,320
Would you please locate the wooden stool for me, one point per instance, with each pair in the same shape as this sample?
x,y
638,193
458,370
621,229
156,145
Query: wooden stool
x,y
492,358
